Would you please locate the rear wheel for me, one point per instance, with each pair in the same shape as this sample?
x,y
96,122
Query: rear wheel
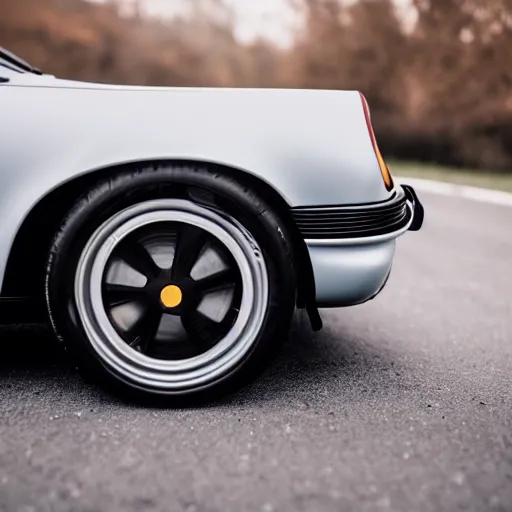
x,y
171,282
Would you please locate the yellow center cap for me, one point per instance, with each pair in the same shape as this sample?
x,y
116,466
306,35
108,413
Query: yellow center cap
x,y
171,296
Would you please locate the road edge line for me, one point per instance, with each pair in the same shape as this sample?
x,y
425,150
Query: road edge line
x,y
484,195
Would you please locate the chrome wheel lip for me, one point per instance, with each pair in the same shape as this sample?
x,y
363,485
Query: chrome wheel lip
x,y
180,374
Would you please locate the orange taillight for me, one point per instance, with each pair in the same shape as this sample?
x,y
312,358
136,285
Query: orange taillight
x,y
386,175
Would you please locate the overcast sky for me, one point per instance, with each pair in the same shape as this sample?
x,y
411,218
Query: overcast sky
x,y
273,19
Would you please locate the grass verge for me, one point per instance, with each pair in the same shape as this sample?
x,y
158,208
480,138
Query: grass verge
x,y
474,178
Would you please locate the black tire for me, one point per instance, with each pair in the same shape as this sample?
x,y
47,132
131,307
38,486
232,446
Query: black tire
x,y
202,188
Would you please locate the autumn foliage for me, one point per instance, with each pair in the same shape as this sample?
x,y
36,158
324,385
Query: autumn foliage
x,y
438,77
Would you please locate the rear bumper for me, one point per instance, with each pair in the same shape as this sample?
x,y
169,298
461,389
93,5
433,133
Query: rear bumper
x,y
352,261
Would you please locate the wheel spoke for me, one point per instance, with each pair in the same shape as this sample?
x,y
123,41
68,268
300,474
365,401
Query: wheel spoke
x,y
137,257
199,327
191,240
145,329
217,281
117,294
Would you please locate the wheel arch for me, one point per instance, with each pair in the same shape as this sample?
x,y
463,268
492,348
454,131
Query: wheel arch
x,y
37,229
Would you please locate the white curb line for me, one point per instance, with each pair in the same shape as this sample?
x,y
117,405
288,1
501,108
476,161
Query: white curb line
x,y
484,195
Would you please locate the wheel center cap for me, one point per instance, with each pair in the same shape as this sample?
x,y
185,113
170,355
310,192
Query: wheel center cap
x,y
171,296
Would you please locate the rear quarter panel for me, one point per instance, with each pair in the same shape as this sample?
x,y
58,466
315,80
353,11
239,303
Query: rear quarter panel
x,y
313,147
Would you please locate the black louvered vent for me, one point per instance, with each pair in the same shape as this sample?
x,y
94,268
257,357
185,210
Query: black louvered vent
x,y
353,221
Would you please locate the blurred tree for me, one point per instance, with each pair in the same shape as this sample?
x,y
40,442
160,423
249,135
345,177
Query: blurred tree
x,y
460,48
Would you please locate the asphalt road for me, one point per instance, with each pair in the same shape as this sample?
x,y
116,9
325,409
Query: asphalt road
x,y
401,404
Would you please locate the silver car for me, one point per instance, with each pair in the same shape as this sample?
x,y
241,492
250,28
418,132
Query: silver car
x,y
169,234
